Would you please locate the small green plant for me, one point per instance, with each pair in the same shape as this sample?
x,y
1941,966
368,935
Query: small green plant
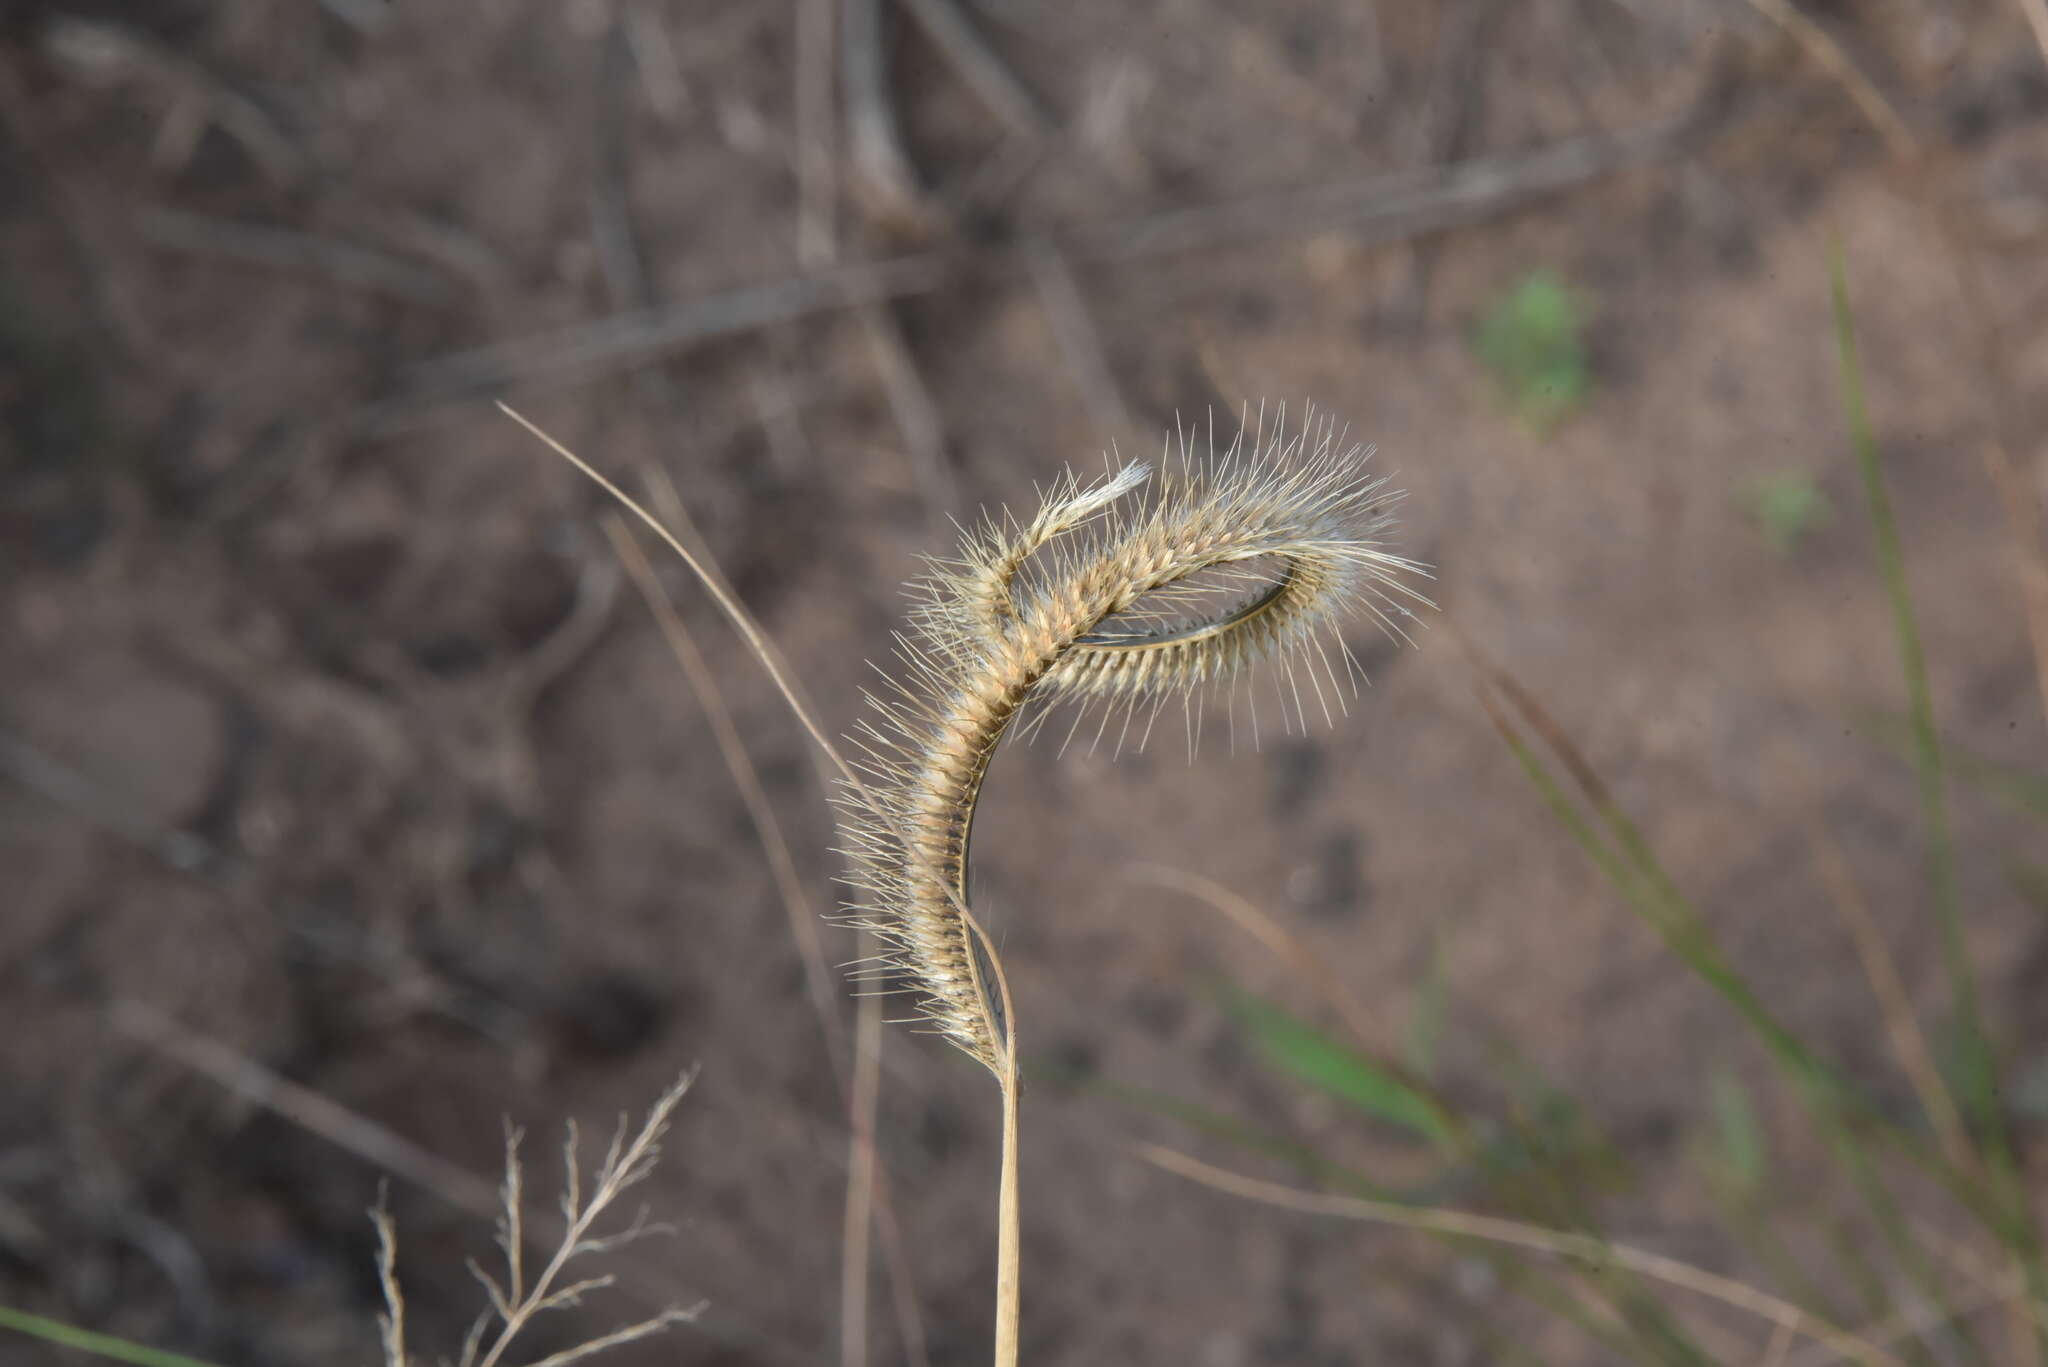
x,y
1533,341
1786,505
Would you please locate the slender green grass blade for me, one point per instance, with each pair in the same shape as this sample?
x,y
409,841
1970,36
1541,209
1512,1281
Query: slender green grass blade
x,y
2023,788
1323,1062
1640,876
1978,1068
1741,1156
87,1341
1927,753
1216,1125
1425,1028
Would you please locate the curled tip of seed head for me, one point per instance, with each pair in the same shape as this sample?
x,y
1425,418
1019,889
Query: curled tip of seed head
x,y
1252,555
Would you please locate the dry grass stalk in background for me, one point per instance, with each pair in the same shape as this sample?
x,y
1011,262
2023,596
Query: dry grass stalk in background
x,y
1787,1317
867,1194
516,1300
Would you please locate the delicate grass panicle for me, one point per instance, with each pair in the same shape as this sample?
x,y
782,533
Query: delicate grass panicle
x,y
1247,556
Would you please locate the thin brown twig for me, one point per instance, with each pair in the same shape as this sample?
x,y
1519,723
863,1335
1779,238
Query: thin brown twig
x,y
776,414
1395,204
817,135
1439,131
868,1199
1979,1270
63,785
1916,1321
1079,341
2037,19
986,74
912,405
84,229
1373,208
108,47
631,338
377,1145
1535,1238
1821,48
285,249
882,169
654,58
611,209
367,17
1909,1044
1780,1343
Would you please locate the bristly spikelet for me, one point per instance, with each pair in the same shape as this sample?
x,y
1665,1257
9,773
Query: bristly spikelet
x,y
1096,601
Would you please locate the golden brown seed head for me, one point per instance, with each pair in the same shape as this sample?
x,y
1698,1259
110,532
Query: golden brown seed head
x,y
1100,602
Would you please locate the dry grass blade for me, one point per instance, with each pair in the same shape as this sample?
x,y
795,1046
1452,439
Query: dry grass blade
x,y
866,1195
197,97
1283,943
259,1086
1827,54
984,72
2037,19
1003,1027
1514,1233
770,658
817,135
1079,342
1396,204
1921,1317
281,249
746,779
1916,1060
882,168
911,403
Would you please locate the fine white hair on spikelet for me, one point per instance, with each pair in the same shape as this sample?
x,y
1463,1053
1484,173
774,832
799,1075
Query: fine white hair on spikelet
x,y
1109,600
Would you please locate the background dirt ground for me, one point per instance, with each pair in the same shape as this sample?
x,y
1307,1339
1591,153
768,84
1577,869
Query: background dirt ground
x,y
334,742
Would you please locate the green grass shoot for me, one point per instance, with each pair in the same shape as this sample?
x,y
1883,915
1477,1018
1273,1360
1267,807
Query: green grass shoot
x,y
96,1344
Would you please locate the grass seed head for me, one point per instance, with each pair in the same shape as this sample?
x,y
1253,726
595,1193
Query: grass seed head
x,y
1252,555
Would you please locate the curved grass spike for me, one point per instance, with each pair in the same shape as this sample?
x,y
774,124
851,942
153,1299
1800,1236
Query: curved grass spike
x,y
1095,600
